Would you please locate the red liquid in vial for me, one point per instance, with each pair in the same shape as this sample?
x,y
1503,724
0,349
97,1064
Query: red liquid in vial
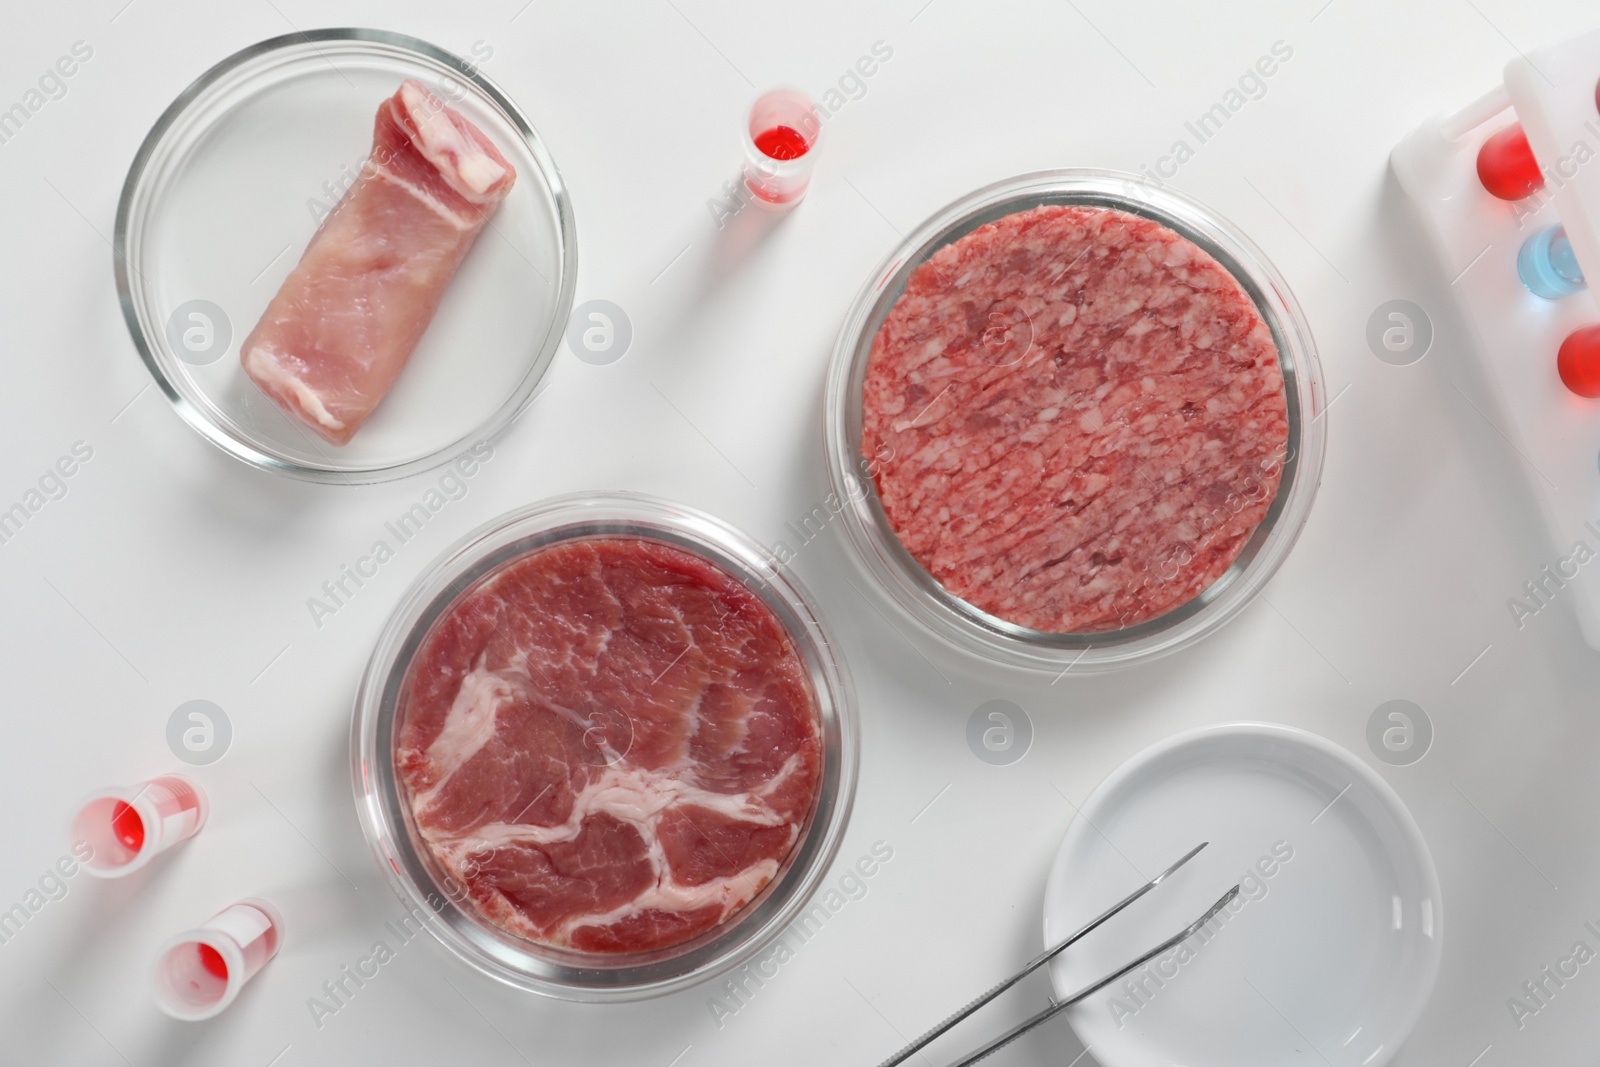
x,y
782,143
213,962
1579,362
1506,166
127,827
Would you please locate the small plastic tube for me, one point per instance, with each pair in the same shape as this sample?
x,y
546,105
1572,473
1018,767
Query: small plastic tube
x,y
1507,167
1547,266
127,827
200,971
780,147
1578,361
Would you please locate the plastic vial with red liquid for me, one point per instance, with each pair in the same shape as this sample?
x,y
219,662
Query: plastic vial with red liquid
x,y
780,147
1506,165
127,827
200,972
1578,361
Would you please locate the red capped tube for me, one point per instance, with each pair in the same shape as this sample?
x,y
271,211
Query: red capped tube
x,y
1506,166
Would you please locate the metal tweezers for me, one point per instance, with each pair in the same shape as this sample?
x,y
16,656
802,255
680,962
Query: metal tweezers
x,y
1050,953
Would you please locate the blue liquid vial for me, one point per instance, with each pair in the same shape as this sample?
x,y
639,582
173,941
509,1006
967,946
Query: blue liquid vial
x,y
1547,266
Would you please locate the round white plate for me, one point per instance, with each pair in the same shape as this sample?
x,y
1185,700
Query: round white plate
x,y
1328,955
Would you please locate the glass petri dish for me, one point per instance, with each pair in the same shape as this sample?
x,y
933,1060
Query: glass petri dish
x,y
227,190
953,622
426,889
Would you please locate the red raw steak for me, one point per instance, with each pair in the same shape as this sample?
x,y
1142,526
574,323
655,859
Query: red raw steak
x,y
1086,417
611,744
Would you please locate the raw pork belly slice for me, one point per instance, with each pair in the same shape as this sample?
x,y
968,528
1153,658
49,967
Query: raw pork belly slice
x,y
1083,416
341,328
611,744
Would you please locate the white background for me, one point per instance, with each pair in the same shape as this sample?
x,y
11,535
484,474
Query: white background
x,y
170,572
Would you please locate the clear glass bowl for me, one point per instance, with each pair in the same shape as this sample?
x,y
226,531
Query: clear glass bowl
x,y
386,816
960,625
228,188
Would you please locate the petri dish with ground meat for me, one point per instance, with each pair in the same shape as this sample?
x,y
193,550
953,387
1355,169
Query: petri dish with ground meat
x,y
1074,421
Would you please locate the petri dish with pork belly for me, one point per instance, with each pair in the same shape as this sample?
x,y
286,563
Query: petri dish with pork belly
x,y
345,255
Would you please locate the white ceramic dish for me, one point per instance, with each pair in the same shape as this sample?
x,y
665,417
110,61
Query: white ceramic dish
x,y
1328,955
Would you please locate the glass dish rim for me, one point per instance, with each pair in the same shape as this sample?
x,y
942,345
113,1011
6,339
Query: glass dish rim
x,y
516,402
911,589
382,811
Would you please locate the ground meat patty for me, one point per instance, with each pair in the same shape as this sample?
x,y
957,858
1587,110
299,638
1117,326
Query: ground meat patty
x,y
1083,416
611,744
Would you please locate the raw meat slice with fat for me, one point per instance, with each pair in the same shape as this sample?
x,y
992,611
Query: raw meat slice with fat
x,y
342,326
610,745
